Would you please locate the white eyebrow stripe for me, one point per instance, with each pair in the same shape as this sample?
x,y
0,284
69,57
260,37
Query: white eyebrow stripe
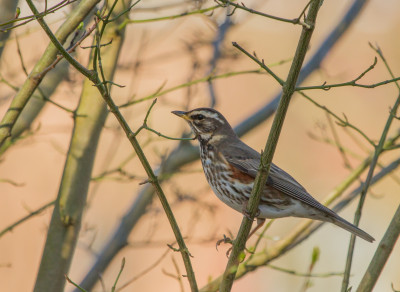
x,y
210,115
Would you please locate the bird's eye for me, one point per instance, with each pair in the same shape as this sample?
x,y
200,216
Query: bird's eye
x,y
198,117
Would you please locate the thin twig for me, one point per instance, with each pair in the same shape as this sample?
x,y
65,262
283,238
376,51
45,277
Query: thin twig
x,y
261,63
297,20
23,219
353,82
160,92
69,50
308,275
378,150
145,271
119,275
341,122
146,127
30,18
75,284
314,259
170,17
337,142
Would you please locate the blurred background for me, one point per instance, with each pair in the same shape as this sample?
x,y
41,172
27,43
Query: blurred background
x,y
164,54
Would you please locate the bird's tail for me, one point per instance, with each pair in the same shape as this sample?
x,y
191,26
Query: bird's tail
x,y
339,221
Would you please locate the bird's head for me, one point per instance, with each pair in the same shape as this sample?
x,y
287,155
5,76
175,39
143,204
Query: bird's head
x,y
206,123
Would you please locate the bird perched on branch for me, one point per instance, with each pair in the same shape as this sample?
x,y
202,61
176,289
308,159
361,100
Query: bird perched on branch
x,y
231,166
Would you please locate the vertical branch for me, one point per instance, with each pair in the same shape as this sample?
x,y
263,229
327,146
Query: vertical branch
x,y
381,255
267,155
378,150
71,200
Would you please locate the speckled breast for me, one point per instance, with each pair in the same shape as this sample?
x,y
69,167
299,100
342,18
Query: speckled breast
x,y
221,177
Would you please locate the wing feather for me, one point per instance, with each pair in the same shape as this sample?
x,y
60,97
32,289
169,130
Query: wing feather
x,y
247,160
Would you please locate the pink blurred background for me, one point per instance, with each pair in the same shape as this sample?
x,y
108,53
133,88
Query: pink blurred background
x,y
37,162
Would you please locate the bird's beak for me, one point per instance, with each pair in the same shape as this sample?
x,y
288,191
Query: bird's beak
x,y
182,115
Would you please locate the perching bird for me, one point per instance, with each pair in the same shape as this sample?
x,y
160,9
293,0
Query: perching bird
x,y
230,167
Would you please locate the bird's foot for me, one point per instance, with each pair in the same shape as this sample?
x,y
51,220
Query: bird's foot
x,y
225,240
247,214
229,241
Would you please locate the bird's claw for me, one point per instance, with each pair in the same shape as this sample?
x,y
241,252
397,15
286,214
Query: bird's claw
x,y
230,241
223,240
248,216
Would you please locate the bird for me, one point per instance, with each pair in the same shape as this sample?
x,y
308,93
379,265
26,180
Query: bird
x,y
230,167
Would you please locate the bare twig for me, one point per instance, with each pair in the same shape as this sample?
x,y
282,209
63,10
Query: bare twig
x,y
261,63
353,82
76,285
307,275
119,274
69,50
159,92
145,271
241,6
30,18
343,122
146,127
23,219
170,17
378,150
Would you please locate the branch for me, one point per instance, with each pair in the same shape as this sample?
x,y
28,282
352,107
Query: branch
x,y
146,127
145,271
69,51
66,220
304,229
261,63
308,275
30,18
93,76
225,3
154,181
378,150
170,17
381,255
31,83
267,155
160,92
186,153
313,64
8,11
352,82
217,46
341,122
23,219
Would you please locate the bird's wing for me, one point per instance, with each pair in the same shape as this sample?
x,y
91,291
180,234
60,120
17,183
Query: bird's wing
x,y
247,160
